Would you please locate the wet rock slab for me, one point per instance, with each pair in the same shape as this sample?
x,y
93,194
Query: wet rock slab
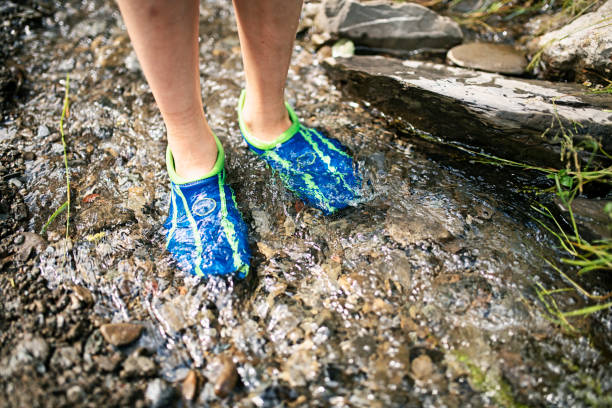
x,y
506,117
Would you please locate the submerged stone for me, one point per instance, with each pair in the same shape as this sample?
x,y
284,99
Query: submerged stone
x,y
501,58
159,393
83,294
190,384
227,379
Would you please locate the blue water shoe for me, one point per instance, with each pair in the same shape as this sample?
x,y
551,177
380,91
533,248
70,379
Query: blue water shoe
x,y
205,230
316,168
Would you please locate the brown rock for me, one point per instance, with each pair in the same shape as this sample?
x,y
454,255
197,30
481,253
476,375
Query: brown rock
x,y
501,58
422,367
227,378
83,294
119,334
190,385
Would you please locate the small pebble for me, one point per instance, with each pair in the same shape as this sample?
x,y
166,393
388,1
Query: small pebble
x,y
19,239
227,379
15,182
83,294
190,385
159,393
422,367
74,393
138,366
120,334
29,156
43,131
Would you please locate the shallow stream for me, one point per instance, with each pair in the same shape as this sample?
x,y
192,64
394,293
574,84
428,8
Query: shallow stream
x,y
425,295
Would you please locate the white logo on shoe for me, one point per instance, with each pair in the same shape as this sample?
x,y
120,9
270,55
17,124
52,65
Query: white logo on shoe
x,y
306,160
202,206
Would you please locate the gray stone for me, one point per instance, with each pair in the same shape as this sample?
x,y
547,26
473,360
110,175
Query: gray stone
x,y
425,227
489,57
29,351
396,265
262,221
103,214
159,393
584,45
32,242
137,365
506,117
75,394
403,27
64,358
469,6
15,182
42,131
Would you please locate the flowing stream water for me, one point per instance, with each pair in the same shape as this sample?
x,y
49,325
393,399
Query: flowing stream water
x,y
424,295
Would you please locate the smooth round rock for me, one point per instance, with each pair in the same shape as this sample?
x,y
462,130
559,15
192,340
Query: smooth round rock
x,y
501,58
120,334
422,367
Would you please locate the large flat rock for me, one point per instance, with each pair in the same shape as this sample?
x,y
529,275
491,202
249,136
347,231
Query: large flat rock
x,y
505,116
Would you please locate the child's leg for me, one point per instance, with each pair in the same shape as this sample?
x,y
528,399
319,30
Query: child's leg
x,y
165,36
318,169
267,30
205,231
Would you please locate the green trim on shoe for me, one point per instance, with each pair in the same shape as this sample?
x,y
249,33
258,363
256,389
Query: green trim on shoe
x,y
176,179
174,218
228,227
194,230
286,135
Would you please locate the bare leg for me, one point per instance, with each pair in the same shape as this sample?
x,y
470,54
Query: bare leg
x,y
267,30
165,36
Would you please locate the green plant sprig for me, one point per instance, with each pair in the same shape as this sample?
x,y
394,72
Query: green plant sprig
x,y
66,205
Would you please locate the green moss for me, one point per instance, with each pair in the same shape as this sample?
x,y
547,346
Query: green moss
x,y
494,385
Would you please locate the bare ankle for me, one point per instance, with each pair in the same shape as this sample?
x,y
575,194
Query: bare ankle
x,y
194,156
195,168
266,124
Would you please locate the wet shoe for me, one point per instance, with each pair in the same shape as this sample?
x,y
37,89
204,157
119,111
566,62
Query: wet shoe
x,y
316,168
205,231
